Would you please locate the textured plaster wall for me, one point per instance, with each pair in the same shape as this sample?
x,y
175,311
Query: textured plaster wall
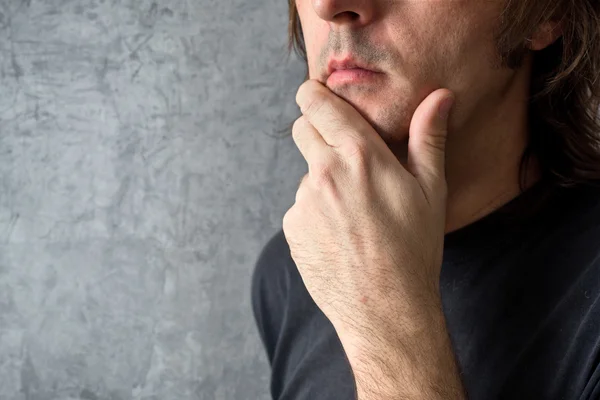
x,y
140,176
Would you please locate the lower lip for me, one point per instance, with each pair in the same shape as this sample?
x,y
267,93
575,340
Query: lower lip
x,y
353,75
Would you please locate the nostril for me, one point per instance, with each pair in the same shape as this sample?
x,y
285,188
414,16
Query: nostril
x,y
349,15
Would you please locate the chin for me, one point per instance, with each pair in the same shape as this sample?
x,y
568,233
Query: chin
x,y
390,119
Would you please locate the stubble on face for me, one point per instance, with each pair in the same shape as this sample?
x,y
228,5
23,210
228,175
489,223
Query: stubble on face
x,y
384,119
428,52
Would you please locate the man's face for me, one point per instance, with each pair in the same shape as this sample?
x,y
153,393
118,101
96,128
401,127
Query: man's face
x,y
418,45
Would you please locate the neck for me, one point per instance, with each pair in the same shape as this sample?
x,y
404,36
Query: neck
x,y
472,199
483,155
483,162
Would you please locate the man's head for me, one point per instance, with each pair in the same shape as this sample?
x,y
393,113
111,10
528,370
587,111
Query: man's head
x,y
484,51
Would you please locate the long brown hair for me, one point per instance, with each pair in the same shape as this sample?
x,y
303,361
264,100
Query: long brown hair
x,y
565,85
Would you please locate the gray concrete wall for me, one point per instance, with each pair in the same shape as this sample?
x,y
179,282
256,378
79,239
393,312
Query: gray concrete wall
x,y
140,177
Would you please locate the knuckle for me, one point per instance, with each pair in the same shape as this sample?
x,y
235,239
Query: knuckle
x,y
287,220
355,148
315,105
322,173
436,141
357,152
300,192
297,127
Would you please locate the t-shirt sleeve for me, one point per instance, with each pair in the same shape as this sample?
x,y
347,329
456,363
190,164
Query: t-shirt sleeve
x,y
306,356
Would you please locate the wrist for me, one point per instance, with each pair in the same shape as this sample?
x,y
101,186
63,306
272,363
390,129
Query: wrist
x,y
393,322
408,358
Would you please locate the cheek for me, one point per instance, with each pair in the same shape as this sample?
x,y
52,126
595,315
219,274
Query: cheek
x,y
445,40
315,39
315,33
315,42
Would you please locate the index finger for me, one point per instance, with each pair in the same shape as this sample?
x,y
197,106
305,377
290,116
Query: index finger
x,y
334,118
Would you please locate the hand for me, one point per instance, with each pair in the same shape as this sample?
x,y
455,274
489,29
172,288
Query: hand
x,y
365,232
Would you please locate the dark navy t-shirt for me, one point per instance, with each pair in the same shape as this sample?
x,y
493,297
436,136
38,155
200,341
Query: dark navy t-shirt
x,y
520,293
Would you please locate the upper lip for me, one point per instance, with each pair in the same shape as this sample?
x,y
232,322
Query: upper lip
x,y
347,63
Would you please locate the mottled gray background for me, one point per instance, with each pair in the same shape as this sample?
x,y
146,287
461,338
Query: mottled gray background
x,y
140,177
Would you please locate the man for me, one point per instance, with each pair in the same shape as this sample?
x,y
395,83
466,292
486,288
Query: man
x,y
445,243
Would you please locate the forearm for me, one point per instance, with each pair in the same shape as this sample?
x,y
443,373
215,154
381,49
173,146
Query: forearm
x,y
412,360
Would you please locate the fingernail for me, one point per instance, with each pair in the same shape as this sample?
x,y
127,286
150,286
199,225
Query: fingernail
x,y
445,107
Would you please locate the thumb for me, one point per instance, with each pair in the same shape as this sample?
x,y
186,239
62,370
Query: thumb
x,y
427,142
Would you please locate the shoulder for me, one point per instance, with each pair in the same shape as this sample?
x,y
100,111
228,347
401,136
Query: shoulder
x,y
275,250
274,262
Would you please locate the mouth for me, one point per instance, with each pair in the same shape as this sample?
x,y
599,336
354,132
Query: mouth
x,y
350,71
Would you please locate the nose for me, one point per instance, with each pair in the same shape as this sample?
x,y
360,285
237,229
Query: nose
x,y
345,12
